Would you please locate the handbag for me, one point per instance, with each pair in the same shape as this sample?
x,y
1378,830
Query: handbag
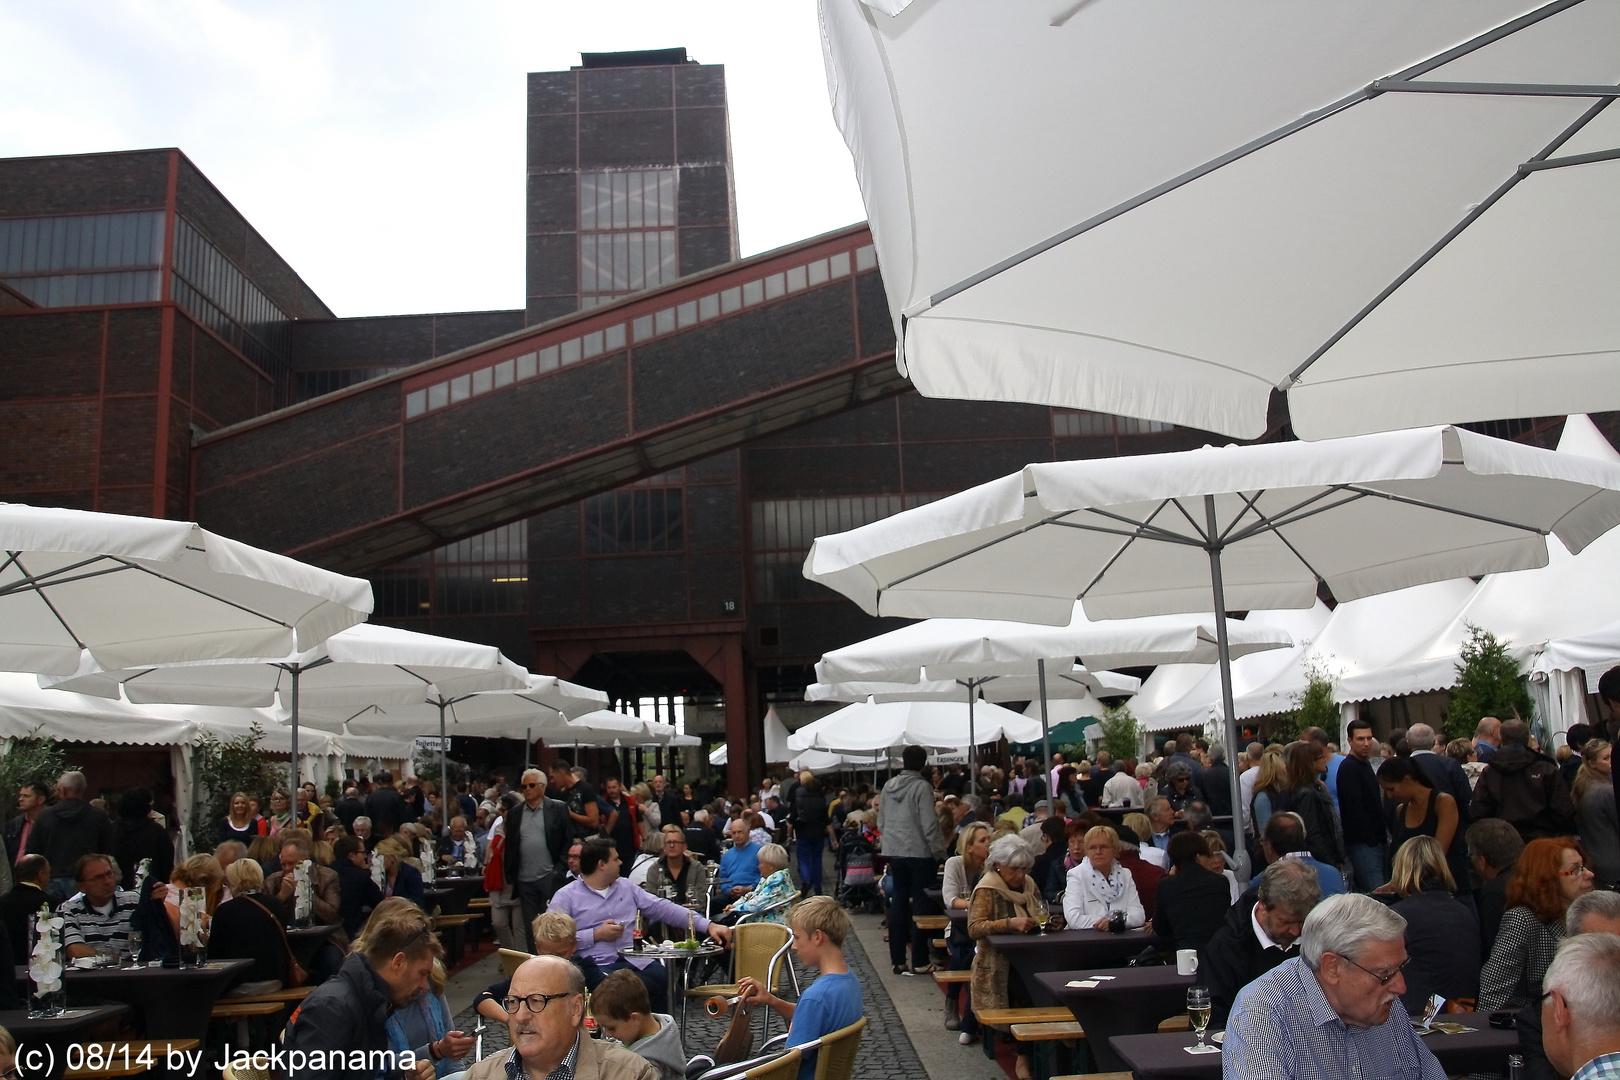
x,y
296,975
495,866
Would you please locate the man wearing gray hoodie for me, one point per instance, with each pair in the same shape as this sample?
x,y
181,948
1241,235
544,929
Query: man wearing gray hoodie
x,y
914,848
621,1007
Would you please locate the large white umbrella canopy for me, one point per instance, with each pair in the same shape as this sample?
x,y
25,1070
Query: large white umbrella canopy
x,y
949,649
1238,527
880,725
1399,215
363,665
1077,682
493,714
137,590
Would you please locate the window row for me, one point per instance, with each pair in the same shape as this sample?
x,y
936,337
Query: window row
x,y
1073,424
644,519
75,290
626,262
642,198
31,246
792,524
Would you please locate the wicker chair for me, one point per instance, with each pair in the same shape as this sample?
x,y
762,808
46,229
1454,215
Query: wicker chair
x,y
836,1060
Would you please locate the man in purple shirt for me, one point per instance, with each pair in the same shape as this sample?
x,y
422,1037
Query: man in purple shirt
x,y
603,905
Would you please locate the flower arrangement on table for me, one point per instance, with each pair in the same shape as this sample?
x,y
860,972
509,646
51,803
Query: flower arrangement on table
x,y
45,965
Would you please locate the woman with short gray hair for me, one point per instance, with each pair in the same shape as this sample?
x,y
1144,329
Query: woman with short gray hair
x,y
774,887
1005,901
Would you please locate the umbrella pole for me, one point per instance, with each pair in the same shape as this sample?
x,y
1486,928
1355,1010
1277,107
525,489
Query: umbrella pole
x,y
1224,651
293,791
1046,739
444,773
528,746
973,772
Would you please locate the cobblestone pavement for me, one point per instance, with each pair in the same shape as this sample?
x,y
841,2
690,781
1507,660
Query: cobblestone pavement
x,y
886,1049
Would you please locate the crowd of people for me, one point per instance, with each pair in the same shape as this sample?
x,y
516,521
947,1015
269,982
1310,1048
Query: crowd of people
x,y
1467,865
1383,872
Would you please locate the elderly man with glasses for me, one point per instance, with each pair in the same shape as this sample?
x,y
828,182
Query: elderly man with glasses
x,y
1333,1010
546,1006
536,838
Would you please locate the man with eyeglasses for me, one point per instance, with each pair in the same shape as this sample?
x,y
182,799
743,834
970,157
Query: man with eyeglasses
x,y
546,1010
1333,1010
536,836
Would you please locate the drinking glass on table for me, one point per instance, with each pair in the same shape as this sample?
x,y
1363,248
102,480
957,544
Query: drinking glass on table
x,y
1198,1011
1042,915
135,948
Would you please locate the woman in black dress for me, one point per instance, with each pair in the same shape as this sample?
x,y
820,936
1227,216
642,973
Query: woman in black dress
x,y
1420,810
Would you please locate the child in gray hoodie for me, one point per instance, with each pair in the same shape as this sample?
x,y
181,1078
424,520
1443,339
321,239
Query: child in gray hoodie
x,y
622,1009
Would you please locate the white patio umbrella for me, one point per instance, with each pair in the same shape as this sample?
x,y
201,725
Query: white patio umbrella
x,y
137,590
1169,210
1229,528
362,666
881,725
976,651
1075,683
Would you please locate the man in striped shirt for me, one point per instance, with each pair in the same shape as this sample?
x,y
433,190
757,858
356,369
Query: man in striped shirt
x,y
99,915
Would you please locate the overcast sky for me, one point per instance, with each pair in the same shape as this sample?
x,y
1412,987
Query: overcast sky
x,y
380,146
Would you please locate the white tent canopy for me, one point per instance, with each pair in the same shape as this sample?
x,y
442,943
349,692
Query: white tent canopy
x,y
137,590
1076,682
1399,215
1166,703
1570,596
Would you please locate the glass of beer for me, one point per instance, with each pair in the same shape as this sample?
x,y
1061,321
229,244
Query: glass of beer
x,y
1198,1011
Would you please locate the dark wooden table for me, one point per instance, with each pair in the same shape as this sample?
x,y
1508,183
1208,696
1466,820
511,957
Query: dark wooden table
x,y
1069,950
1132,1002
1160,1057
170,1003
305,940
42,1044
445,899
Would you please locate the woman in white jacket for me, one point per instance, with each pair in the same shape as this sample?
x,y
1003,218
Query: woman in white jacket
x,y
1100,886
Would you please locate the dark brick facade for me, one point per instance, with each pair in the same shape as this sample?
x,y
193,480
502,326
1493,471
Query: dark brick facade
x,y
612,117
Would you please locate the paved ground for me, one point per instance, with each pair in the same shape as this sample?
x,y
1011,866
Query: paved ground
x,y
905,1038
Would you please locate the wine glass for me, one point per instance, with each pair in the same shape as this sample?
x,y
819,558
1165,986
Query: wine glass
x,y
1198,1011
135,947
1041,913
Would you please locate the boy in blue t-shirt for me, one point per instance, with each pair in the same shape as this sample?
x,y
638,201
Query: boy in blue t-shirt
x,y
833,1001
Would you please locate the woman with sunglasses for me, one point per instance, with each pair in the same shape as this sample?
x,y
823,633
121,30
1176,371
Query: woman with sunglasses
x,y
1551,874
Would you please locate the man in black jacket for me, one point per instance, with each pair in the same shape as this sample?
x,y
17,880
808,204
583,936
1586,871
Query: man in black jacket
x,y
1443,770
386,807
349,807
536,845
348,1012
1524,788
1361,809
1193,901
66,831
1260,932
24,900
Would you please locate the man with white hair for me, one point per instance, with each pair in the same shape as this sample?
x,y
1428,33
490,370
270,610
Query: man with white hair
x,y
1442,770
1580,1011
536,840
1333,1010
1596,912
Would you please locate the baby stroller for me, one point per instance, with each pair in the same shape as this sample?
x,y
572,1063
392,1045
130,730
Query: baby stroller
x,y
858,872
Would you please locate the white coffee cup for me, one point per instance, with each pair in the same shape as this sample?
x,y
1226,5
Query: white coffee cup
x,y
1186,961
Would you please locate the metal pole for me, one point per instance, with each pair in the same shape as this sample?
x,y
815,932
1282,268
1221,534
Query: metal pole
x,y
293,791
973,773
528,746
1046,740
1224,650
444,772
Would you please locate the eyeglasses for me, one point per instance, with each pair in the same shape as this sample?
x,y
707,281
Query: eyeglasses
x,y
527,786
536,1002
1383,980
1575,871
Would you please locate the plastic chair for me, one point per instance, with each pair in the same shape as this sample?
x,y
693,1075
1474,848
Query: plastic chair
x,y
757,951
785,1067
836,1061
511,960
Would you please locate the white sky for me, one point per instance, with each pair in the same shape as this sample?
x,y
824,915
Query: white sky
x,y
379,147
